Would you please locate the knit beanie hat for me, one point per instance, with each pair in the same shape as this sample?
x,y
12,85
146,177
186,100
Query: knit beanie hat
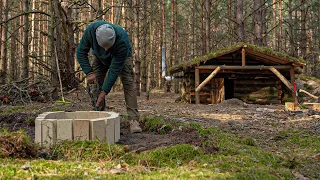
x,y
105,35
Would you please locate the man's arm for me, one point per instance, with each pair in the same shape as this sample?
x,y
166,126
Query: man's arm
x,y
115,67
83,50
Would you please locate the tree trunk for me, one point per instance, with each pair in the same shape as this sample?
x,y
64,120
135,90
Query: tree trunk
x,y
54,75
163,42
257,22
280,27
230,31
291,36
118,12
112,12
203,42
303,42
129,14
144,47
318,69
136,47
100,7
13,60
1,9
264,24
207,5
25,62
274,22
4,50
240,22
192,26
32,45
70,45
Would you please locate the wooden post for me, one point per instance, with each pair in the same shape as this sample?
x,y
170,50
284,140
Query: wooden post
x,y
281,77
215,72
212,91
197,82
294,93
243,57
279,89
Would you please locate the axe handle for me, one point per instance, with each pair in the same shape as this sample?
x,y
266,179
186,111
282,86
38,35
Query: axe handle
x,y
311,95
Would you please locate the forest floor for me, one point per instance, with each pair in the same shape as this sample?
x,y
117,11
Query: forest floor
x,y
230,140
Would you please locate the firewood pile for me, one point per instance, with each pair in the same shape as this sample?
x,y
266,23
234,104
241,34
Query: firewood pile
x,y
27,91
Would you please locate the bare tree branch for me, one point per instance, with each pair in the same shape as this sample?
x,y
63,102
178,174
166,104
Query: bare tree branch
x,y
24,13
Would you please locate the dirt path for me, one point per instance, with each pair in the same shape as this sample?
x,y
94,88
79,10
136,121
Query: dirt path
x,y
261,122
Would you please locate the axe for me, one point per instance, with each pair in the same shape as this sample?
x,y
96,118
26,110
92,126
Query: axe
x,y
311,95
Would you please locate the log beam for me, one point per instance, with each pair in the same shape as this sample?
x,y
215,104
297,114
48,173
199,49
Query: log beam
x,y
243,53
222,67
208,78
281,77
197,82
294,93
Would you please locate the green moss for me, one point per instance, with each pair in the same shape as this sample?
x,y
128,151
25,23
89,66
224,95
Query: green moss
x,y
155,124
249,141
171,156
86,150
238,158
13,109
253,99
307,86
195,125
219,52
306,78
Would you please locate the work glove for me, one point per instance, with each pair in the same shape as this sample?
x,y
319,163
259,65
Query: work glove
x,y
101,99
91,78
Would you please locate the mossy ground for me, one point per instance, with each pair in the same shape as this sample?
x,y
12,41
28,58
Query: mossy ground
x,y
237,158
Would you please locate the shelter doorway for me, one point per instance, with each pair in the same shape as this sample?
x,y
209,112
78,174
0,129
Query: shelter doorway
x,y
229,88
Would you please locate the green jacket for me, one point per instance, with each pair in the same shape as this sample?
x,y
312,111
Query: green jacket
x,y
115,56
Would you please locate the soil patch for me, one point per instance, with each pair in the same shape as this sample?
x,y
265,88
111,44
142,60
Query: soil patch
x,y
17,121
139,142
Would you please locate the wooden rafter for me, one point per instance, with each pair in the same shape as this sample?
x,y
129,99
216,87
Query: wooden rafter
x,y
208,79
282,78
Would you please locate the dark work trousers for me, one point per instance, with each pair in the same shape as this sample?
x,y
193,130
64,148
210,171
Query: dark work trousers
x,y
126,76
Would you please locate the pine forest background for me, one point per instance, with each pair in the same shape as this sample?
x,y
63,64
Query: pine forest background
x,y
36,33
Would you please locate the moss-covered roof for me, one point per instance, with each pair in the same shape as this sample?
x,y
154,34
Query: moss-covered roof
x,y
233,48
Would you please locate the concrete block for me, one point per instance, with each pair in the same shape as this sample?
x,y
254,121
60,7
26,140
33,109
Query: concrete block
x,y
98,129
110,130
48,131
115,117
81,130
71,115
38,134
55,115
104,114
64,129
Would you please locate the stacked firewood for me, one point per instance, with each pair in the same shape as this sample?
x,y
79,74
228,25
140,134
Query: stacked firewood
x,y
27,91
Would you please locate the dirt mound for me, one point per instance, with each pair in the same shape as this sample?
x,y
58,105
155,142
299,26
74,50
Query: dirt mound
x,y
232,102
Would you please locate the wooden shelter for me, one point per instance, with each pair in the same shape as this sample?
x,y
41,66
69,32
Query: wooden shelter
x,y
237,71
